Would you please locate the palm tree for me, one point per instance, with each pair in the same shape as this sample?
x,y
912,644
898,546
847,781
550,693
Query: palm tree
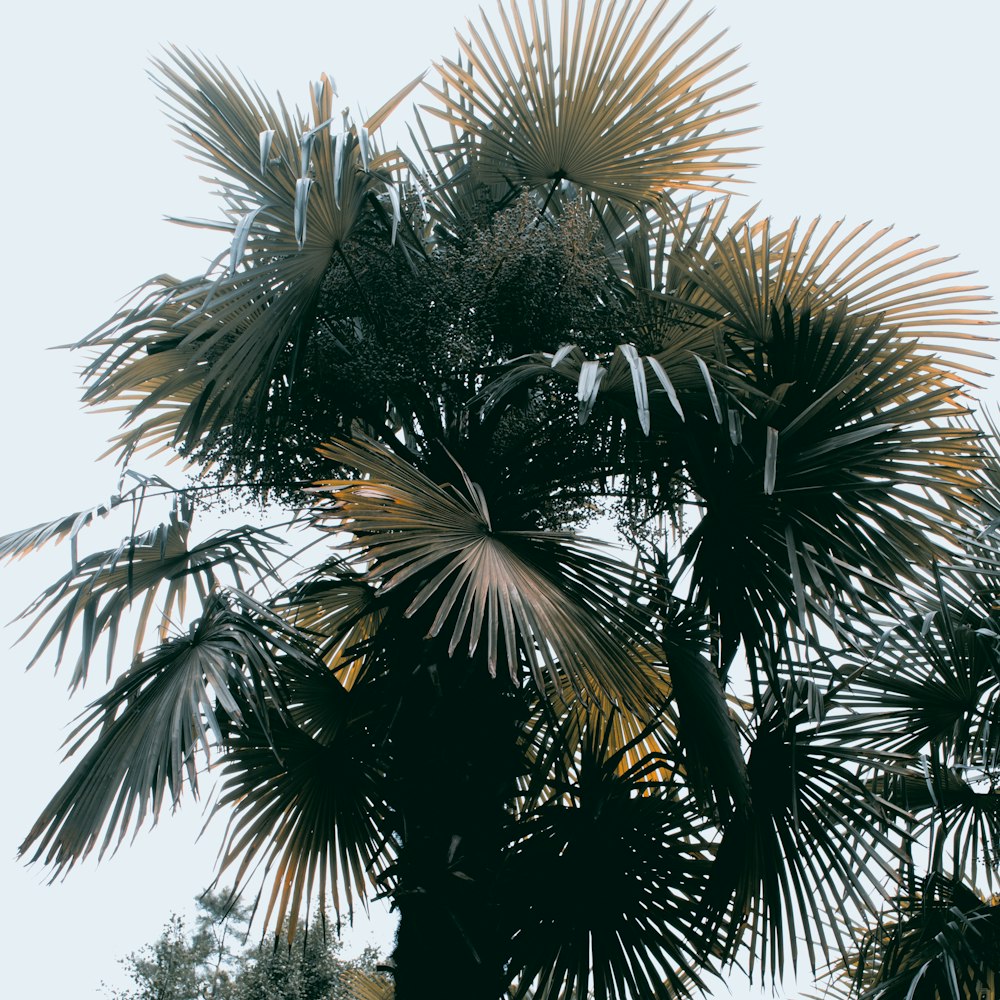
x,y
573,772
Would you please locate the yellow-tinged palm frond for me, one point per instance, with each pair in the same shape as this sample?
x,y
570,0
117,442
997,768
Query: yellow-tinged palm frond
x,y
362,985
18,544
337,607
613,99
754,269
651,251
534,599
163,718
151,377
698,732
558,720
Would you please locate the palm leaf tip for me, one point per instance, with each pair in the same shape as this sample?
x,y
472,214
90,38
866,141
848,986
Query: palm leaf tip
x,y
612,99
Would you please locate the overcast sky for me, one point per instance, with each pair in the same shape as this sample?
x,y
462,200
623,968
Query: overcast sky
x,y
870,109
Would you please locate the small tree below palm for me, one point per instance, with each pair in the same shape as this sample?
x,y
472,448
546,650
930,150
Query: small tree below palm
x,y
212,962
576,768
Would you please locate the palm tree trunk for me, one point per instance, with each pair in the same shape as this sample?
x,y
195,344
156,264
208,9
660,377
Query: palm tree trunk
x,y
456,760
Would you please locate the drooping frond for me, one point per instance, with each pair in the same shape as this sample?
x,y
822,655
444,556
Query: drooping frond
x,y
305,797
18,544
161,719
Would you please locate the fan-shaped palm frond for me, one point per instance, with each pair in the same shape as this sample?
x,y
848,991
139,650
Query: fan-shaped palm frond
x,y
171,707
932,678
600,888
613,100
533,598
841,469
954,811
921,684
557,720
100,587
812,850
294,190
754,270
306,798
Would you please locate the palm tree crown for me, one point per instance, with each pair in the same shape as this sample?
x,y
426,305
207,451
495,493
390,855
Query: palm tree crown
x,y
576,772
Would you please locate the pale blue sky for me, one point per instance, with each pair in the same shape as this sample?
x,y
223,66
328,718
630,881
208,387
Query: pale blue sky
x,y
883,109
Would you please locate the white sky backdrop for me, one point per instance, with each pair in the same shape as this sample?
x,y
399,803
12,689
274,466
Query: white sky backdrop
x,y
870,109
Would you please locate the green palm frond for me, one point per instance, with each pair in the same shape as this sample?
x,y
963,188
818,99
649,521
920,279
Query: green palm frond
x,y
812,850
942,943
294,190
170,710
601,886
151,567
922,686
534,599
637,383
612,99
305,796
839,469
985,512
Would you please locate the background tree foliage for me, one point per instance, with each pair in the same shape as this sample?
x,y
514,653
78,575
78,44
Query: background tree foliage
x,y
749,734
212,962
